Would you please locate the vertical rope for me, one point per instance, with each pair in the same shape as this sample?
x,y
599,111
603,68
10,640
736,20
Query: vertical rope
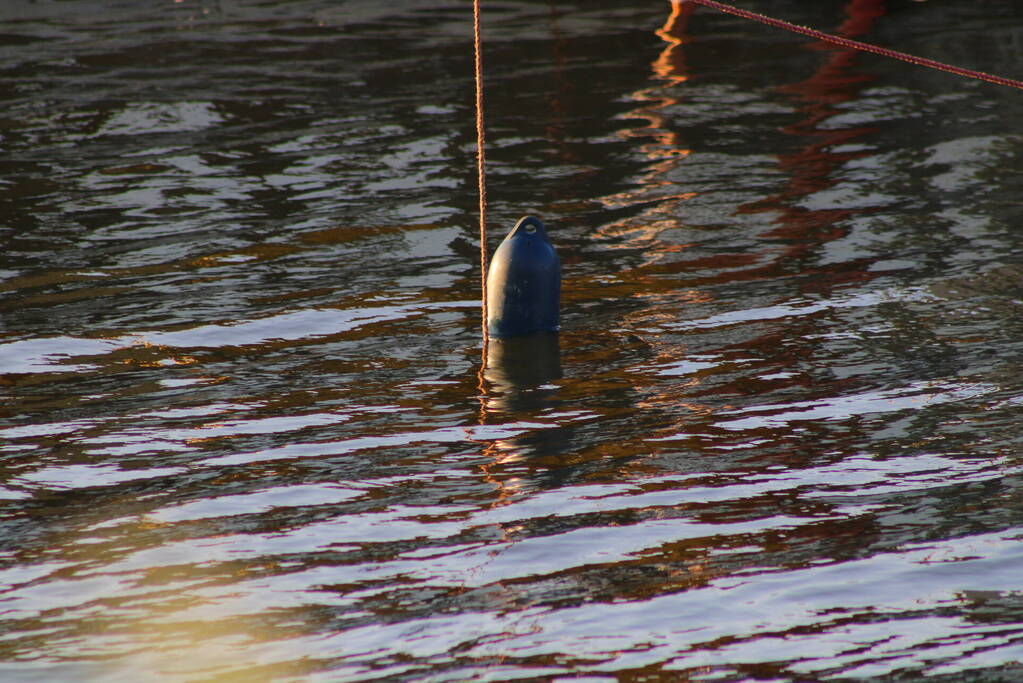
x,y
480,171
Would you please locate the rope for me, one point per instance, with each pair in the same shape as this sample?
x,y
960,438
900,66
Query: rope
x,y
480,158
855,44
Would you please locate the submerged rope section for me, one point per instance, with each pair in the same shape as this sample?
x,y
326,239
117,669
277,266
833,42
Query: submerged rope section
x,y
856,45
480,171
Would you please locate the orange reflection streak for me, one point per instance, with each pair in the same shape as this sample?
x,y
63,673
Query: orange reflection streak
x,y
665,148
655,188
809,170
670,65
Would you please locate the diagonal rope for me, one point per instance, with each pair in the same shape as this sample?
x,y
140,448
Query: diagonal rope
x,y
857,45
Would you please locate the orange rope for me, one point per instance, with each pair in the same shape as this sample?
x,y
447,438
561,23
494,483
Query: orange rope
x,y
480,142
855,44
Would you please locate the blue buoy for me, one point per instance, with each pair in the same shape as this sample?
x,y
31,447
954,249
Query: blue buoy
x,y
524,283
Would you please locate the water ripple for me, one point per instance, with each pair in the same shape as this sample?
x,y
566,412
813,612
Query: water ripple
x,y
244,428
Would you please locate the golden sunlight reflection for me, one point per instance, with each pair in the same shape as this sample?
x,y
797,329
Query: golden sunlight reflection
x,y
670,64
182,627
664,148
821,151
659,198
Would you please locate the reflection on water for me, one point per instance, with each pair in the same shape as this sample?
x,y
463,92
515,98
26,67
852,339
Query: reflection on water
x,y
245,432
518,364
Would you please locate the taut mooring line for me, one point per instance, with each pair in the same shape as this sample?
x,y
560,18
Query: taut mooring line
x,y
480,169
857,45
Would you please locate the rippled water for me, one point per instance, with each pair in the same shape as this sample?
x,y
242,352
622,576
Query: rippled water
x,y
243,430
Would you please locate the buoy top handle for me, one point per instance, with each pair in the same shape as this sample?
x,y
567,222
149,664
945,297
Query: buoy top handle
x,y
529,225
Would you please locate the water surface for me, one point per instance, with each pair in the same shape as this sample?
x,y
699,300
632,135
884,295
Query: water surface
x,y
244,431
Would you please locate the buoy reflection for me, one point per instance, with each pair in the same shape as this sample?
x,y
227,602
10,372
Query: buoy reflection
x,y
520,363
521,387
518,373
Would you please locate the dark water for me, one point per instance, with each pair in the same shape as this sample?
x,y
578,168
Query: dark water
x,y
242,434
